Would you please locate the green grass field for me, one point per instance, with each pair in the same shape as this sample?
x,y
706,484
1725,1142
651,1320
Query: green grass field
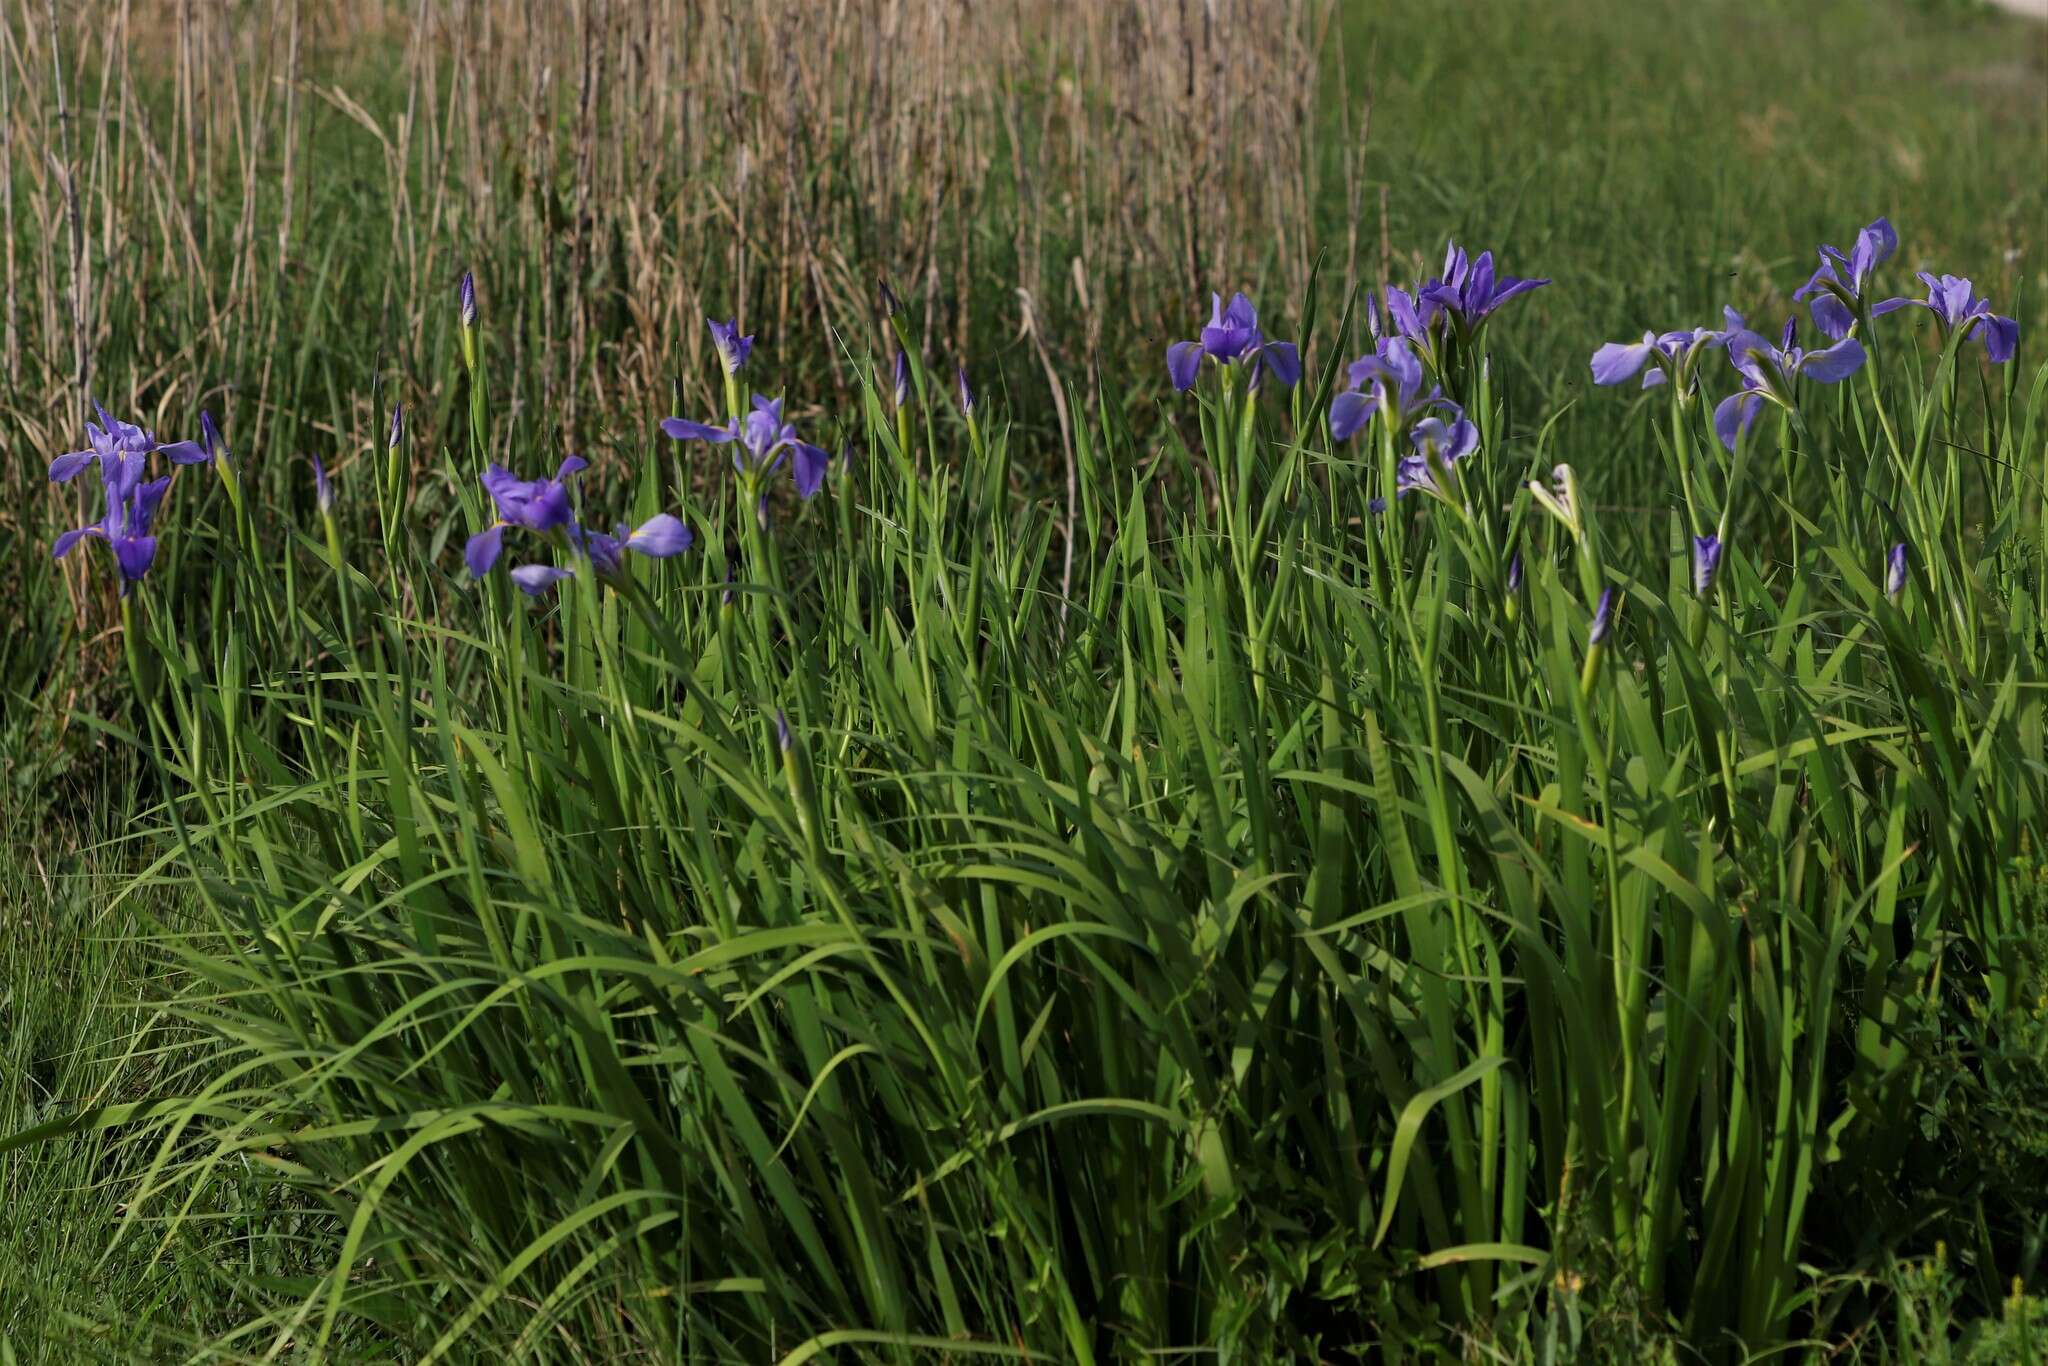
x,y
1083,886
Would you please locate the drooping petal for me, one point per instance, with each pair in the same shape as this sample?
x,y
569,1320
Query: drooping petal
x,y
536,579
1749,354
63,544
1836,363
1831,316
570,465
1893,305
2001,338
1404,365
1183,364
148,497
483,549
1462,440
547,509
1615,362
808,464
185,453
607,553
682,429
1283,361
1736,414
135,554
66,467
660,536
508,491
1349,411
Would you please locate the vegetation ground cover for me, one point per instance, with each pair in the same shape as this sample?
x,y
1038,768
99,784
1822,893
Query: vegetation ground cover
x,y
1162,906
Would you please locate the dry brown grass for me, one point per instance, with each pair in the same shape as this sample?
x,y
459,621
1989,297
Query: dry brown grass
x,y
616,169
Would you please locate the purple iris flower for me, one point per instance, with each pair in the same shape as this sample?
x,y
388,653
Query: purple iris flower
x,y
1667,355
1895,571
1389,379
1956,306
1837,287
131,506
966,393
901,376
733,349
1470,290
110,437
764,440
323,491
1603,617
1515,573
1233,337
1706,562
397,426
891,305
468,299
782,738
534,504
1768,373
659,537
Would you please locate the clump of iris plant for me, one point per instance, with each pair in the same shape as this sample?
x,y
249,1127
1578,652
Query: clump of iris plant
x,y
110,437
1836,289
659,537
762,442
131,505
1389,380
131,501
1769,373
1439,447
1458,301
1233,337
543,506
1470,290
536,505
1660,357
1957,308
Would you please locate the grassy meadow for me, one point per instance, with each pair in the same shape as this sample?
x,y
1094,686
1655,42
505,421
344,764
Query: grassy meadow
x,y
1387,850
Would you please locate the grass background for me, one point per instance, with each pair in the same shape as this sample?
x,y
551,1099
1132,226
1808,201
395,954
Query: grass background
x,y
1640,155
